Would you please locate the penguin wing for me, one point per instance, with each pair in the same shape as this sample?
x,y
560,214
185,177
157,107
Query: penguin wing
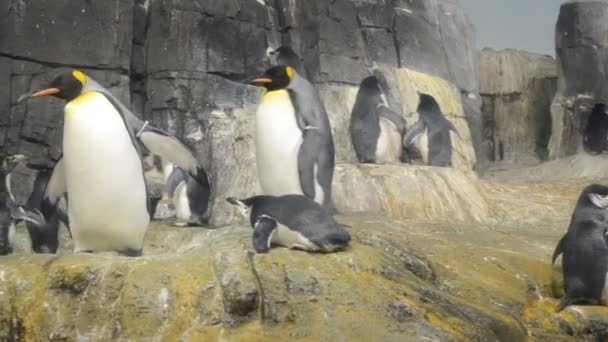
x,y
392,116
452,128
56,186
262,233
170,148
34,216
416,131
558,249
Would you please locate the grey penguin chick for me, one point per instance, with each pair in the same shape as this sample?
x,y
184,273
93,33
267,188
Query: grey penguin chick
x,y
190,197
376,131
10,211
433,123
585,249
293,221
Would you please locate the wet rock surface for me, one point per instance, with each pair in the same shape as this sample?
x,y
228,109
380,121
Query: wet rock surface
x,y
410,278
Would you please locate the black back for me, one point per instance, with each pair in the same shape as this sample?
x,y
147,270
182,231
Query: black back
x,y
364,123
45,239
198,192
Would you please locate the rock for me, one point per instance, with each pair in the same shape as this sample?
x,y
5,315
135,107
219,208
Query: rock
x,y
406,279
581,52
517,89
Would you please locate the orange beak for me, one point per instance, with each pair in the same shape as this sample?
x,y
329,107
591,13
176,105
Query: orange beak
x,y
45,92
260,81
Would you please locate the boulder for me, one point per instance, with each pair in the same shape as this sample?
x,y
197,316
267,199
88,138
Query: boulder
x,y
581,51
517,89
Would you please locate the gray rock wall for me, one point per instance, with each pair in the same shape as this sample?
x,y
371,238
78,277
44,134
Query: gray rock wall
x,y
178,64
517,89
582,60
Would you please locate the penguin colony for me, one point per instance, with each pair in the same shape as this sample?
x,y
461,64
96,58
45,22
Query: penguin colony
x,y
109,207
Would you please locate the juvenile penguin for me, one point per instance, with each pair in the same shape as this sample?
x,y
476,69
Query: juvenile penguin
x,y
285,56
585,249
293,221
433,123
101,169
189,197
10,211
293,140
376,131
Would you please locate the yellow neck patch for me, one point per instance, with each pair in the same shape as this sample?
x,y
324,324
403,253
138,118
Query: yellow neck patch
x,y
80,77
289,71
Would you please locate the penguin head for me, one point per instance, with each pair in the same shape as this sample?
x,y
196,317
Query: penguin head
x,y
67,85
275,78
371,83
427,104
594,194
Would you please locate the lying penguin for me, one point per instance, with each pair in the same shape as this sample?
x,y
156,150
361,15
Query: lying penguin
x,y
293,221
190,198
376,131
101,170
585,249
10,212
436,127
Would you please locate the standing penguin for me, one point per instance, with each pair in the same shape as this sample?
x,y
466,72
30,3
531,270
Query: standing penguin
x,y
293,221
376,131
285,56
190,198
437,128
585,249
10,211
45,239
101,169
293,141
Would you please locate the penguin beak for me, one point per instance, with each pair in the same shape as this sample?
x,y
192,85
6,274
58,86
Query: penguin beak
x,y
45,92
260,81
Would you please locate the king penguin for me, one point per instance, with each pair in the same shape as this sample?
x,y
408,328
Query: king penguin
x,y
101,169
285,56
293,140
10,211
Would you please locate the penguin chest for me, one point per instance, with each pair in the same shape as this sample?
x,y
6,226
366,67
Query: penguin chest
x,y
388,147
284,236
182,203
278,139
104,177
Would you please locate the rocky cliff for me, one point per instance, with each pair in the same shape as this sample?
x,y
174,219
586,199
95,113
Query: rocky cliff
x,y
178,64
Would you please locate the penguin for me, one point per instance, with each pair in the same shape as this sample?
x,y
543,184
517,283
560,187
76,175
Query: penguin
x,y
10,212
285,56
585,249
433,123
293,140
101,169
292,221
376,131
189,197
595,138
45,239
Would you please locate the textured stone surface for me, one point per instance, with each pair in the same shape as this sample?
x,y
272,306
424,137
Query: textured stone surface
x,y
582,51
399,280
517,89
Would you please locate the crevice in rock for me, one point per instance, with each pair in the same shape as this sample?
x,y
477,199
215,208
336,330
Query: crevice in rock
x,y
256,275
47,64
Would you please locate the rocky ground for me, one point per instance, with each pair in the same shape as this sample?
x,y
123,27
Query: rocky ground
x,y
471,278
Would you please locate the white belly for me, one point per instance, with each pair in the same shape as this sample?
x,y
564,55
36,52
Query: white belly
x,y
388,148
286,237
180,201
277,141
104,176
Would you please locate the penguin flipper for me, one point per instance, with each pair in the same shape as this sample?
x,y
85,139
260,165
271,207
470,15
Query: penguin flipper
x,y
168,147
558,249
262,233
34,216
451,127
392,116
414,132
